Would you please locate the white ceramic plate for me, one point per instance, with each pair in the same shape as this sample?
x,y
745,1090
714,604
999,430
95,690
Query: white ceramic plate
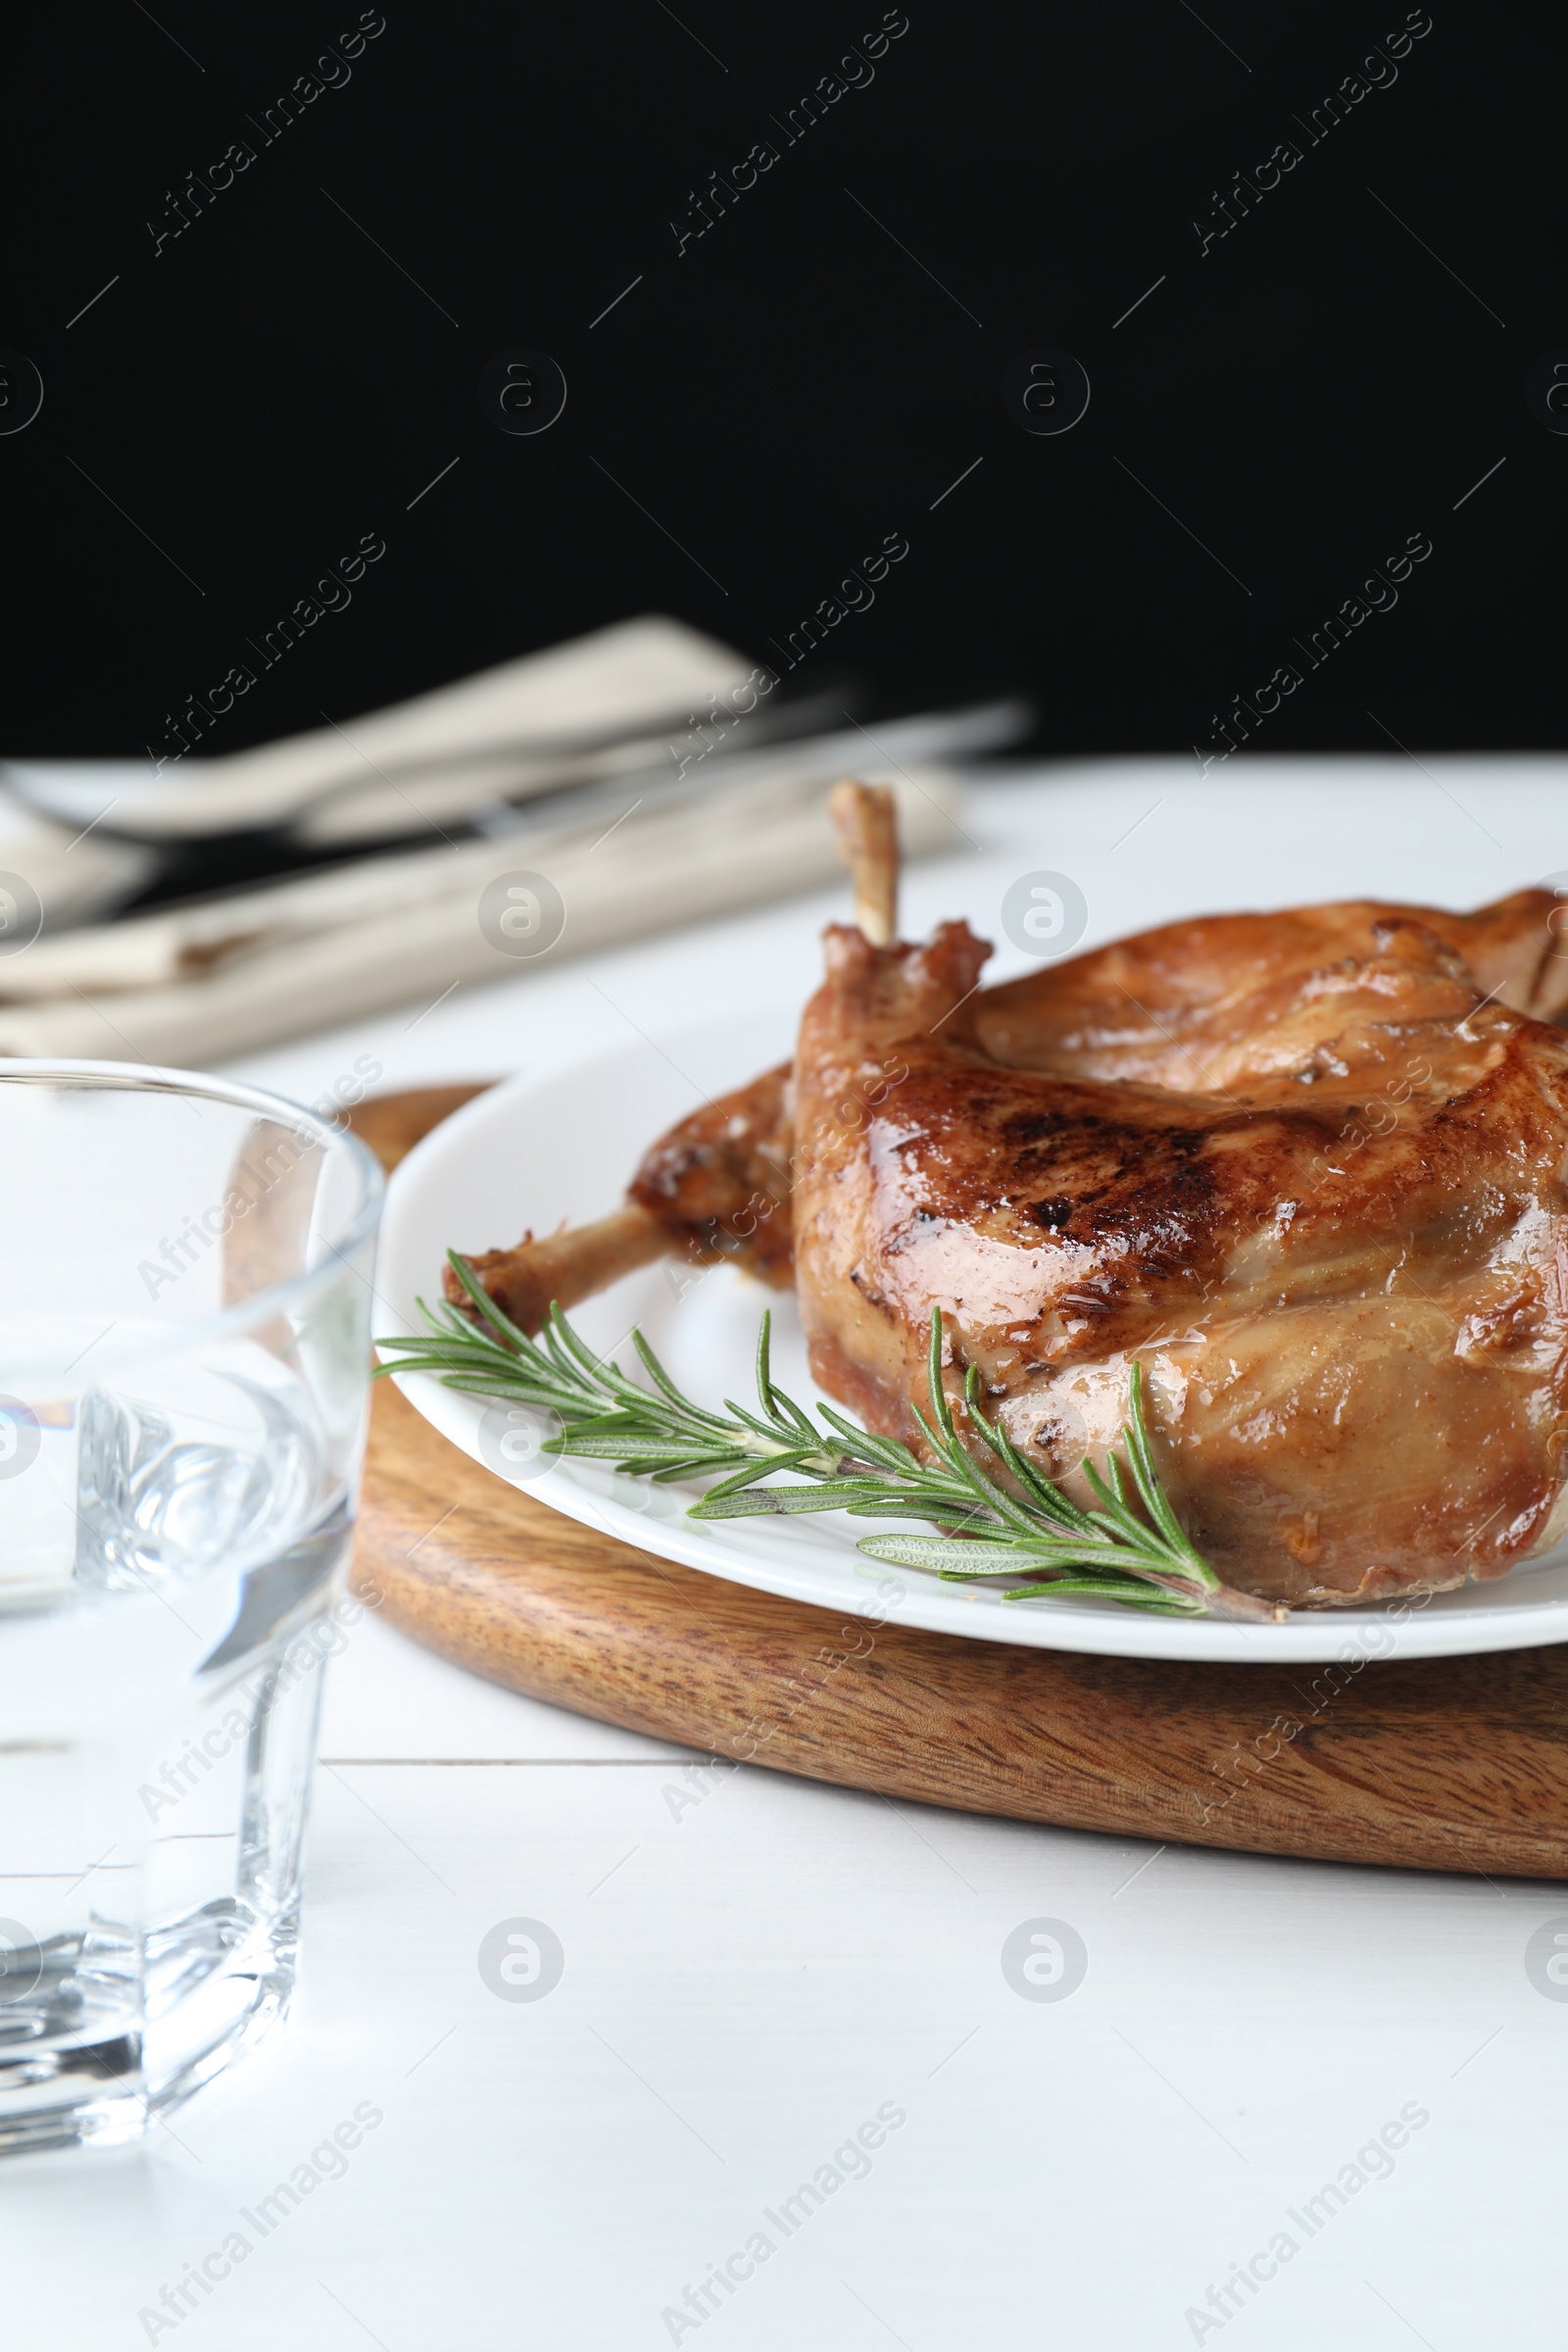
x,y
534,1151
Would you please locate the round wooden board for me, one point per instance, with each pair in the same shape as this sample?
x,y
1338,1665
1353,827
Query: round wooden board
x,y
1446,1764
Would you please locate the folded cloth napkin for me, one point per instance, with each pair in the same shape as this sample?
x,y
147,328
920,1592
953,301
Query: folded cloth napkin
x,y
617,855
48,871
194,984
598,706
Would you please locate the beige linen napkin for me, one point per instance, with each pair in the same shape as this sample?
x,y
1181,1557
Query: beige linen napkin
x,y
195,984
598,706
638,834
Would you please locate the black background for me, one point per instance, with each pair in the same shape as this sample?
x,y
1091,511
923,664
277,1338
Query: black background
x,y
795,384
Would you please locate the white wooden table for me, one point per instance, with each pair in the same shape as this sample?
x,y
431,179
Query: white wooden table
x,y
756,1969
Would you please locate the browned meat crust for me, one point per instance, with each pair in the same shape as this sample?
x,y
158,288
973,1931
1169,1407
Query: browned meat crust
x,y
720,1180
1330,1222
1170,1005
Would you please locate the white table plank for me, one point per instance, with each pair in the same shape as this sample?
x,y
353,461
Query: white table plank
x,y
758,1978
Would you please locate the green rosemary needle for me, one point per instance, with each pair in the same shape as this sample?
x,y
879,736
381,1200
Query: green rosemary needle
x,y
1026,1529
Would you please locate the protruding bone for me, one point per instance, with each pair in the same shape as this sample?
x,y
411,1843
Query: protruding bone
x,y
868,843
565,1267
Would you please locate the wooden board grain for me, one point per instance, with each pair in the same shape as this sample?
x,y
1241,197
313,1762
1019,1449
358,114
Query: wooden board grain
x,y
1446,1764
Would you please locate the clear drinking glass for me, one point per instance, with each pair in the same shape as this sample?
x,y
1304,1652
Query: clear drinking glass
x,y
185,1350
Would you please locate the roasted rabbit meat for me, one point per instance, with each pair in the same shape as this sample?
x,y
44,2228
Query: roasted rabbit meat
x,y
1306,1168
1341,1261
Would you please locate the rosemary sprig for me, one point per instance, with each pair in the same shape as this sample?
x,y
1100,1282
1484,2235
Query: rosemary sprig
x,y
1025,1528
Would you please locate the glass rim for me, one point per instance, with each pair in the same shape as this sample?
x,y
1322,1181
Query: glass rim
x,y
157,1078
